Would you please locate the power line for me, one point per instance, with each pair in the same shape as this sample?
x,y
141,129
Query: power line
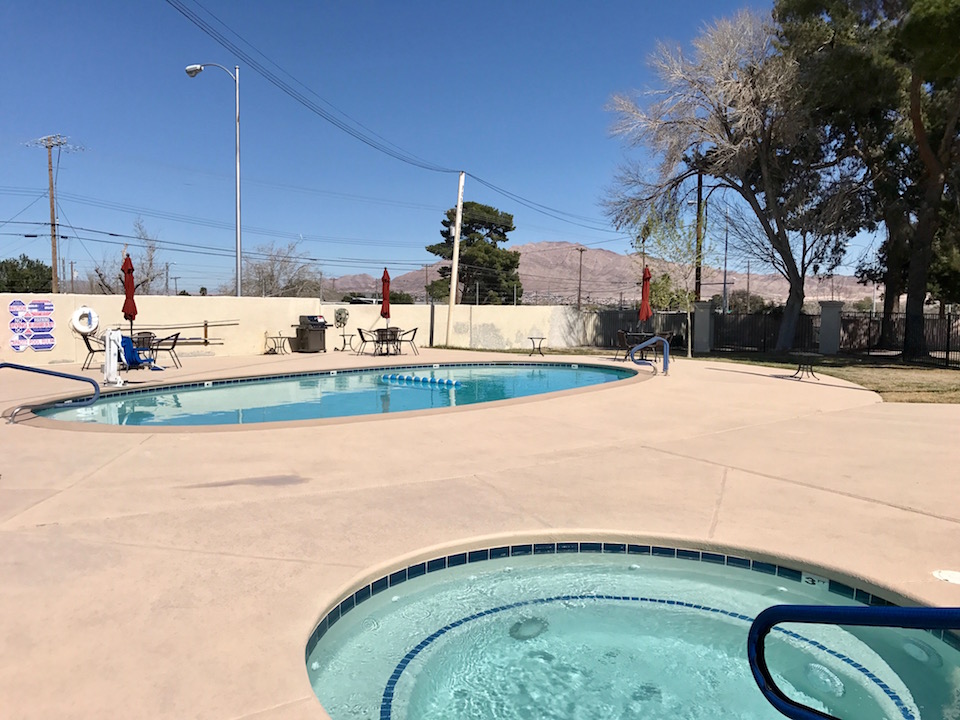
x,y
369,138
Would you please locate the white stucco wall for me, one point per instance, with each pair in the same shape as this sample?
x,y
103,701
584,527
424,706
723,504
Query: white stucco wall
x,y
240,326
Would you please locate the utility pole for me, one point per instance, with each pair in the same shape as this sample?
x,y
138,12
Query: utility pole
x,y
72,277
748,285
426,282
166,282
580,277
175,290
50,142
478,292
456,257
515,294
698,275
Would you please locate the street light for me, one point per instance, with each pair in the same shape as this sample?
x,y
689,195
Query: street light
x,y
193,71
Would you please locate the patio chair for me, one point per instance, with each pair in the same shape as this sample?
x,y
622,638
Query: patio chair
x,y
168,345
131,358
407,337
365,337
622,345
94,345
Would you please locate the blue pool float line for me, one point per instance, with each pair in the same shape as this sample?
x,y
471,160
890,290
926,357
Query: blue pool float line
x,y
421,380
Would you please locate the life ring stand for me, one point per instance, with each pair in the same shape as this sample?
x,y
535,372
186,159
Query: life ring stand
x,y
85,320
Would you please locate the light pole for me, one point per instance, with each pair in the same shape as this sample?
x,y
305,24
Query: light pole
x,y
193,71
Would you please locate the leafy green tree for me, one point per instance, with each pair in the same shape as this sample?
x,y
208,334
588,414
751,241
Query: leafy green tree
x,y
25,275
398,297
742,302
482,261
885,75
664,295
667,237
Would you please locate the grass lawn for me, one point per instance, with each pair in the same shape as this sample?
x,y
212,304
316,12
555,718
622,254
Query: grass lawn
x,y
893,380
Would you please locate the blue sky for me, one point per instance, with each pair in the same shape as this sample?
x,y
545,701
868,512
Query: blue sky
x,y
511,92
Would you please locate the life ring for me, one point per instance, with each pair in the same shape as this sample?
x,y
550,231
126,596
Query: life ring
x,y
85,320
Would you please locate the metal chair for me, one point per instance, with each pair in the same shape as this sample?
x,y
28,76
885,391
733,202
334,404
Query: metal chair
x,y
622,345
94,345
407,337
365,337
169,345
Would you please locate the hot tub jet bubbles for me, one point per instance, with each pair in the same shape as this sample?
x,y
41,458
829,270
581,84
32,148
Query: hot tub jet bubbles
x,y
528,628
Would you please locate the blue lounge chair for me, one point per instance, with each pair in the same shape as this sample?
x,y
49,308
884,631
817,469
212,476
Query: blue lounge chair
x,y
132,359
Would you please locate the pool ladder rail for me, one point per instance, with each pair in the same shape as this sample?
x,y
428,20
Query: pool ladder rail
x,y
648,343
914,618
82,402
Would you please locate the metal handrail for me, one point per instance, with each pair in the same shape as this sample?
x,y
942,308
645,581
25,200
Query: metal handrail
x,y
647,343
912,618
72,403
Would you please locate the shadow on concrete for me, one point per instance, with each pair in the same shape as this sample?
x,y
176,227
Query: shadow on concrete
x,y
794,378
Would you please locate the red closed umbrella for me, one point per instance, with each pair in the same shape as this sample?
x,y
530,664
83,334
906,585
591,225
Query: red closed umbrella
x,y
129,305
646,312
385,305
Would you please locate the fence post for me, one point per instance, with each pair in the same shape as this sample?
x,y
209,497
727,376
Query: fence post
x,y
703,326
830,326
949,328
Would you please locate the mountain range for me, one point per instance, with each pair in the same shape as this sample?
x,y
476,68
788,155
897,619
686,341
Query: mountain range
x,y
550,273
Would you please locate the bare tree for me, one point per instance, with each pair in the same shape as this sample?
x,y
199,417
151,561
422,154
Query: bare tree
x,y
278,271
729,113
108,279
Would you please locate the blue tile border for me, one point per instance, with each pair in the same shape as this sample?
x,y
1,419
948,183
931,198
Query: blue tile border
x,y
583,547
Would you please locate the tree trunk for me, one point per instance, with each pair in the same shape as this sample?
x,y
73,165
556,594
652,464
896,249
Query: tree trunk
x,y
791,315
898,229
921,253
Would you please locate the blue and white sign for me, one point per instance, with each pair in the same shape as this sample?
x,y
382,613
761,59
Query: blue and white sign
x,y
32,325
41,307
41,324
42,341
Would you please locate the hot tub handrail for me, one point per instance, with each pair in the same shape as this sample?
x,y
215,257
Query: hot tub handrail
x,y
647,343
84,402
900,617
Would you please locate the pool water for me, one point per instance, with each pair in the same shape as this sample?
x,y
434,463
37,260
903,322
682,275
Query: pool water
x,y
612,637
342,393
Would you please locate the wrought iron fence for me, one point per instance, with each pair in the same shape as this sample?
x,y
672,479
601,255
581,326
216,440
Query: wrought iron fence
x,y
757,332
662,323
860,333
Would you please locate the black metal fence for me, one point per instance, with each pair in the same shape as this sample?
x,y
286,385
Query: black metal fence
x,y
757,332
609,321
860,333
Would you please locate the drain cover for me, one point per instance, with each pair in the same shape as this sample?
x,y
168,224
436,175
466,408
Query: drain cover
x,y
951,576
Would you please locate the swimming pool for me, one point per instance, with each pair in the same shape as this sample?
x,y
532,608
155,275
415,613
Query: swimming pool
x,y
335,393
609,630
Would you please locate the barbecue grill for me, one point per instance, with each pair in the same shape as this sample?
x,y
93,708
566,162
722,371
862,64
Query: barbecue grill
x,y
311,334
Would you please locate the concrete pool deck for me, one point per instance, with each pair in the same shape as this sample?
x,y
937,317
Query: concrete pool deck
x,y
175,575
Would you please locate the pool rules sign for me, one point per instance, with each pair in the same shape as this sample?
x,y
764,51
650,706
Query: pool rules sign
x,y
31,325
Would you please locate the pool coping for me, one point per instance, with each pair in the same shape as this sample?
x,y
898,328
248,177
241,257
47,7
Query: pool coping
x,y
28,417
